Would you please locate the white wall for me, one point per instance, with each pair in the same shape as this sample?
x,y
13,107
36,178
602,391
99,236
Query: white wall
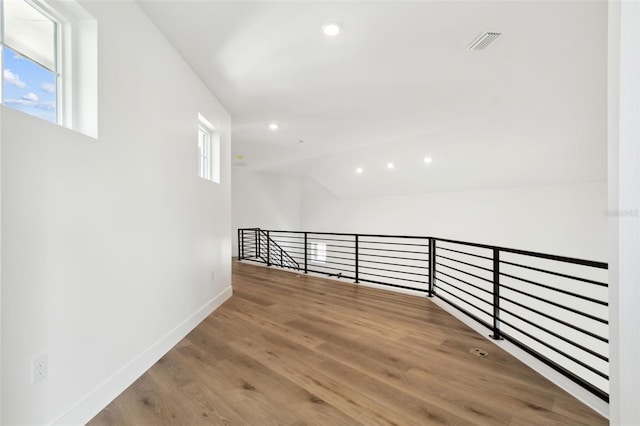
x,y
565,220
109,245
624,199
263,200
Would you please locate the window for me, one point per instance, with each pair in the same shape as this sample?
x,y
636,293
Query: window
x,y
204,153
49,61
30,71
208,151
318,252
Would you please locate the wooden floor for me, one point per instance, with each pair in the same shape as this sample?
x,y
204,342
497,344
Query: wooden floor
x,y
288,349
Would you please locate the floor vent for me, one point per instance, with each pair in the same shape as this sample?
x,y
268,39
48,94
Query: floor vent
x,y
479,352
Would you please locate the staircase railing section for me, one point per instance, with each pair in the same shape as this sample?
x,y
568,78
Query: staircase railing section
x,y
554,308
256,244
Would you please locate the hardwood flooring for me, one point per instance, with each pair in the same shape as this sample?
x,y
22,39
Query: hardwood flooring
x,y
291,349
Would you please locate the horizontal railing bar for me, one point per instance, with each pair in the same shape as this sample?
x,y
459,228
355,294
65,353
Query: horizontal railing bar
x,y
391,250
556,335
395,264
460,308
464,272
575,311
465,282
393,278
410,237
464,263
548,287
393,285
558,351
280,235
339,246
395,257
465,253
559,274
340,258
565,323
392,244
331,239
393,270
351,265
338,251
466,292
601,265
333,269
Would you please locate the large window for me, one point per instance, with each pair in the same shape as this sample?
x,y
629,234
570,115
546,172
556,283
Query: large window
x,y
30,59
208,151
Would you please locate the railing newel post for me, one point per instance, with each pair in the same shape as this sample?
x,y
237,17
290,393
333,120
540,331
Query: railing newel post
x,y
257,248
240,246
305,253
496,295
432,267
268,249
356,258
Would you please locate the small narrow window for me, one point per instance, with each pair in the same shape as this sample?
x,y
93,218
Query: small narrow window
x,y
208,151
30,71
318,252
204,153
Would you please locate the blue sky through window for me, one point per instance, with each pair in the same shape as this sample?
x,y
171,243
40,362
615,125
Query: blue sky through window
x,y
27,86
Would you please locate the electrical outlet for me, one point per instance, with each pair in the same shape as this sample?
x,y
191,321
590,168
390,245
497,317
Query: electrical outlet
x,y
39,368
213,275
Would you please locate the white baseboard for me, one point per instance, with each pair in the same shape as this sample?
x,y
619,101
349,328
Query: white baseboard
x,y
106,392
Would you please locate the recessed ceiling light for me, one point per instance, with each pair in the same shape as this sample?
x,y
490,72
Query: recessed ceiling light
x,y
427,160
390,166
273,126
331,30
359,170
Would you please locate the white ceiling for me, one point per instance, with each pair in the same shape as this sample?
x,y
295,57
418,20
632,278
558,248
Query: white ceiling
x,y
399,84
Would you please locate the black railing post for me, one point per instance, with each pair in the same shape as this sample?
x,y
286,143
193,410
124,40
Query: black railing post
x,y
432,267
281,258
357,259
257,247
268,249
240,244
496,295
305,253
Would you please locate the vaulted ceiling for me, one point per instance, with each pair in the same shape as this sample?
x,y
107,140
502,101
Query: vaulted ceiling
x,y
398,84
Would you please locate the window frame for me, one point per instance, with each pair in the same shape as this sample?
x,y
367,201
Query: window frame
x,y
59,25
204,152
209,155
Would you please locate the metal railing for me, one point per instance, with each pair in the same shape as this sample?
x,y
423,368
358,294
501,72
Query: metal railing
x,y
553,307
256,244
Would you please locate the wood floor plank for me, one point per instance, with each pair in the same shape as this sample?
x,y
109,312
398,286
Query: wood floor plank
x,y
291,349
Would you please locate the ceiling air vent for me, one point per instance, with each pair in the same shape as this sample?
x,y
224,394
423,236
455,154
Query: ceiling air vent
x,y
483,41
